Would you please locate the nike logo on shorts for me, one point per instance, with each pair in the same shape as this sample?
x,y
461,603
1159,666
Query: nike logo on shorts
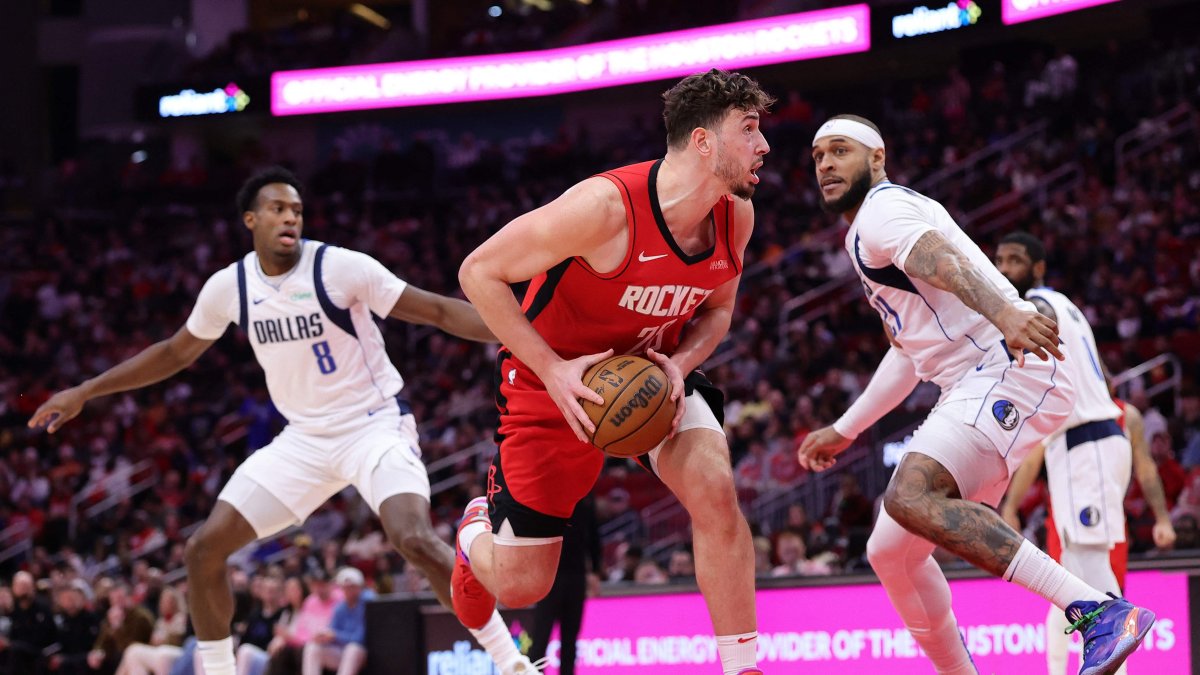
x,y
258,300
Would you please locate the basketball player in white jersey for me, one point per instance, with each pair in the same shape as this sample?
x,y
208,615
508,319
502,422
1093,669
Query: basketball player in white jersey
x,y
954,320
307,309
1090,459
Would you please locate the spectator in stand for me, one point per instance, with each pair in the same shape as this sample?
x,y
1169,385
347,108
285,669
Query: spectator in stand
x,y
1187,428
649,573
341,646
77,628
682,564
32,628
251,655
125,623
793,558
314,617
166,641
629,557
762,557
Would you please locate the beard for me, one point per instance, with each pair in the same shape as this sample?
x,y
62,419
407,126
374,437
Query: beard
x,y
856,191
1022,283
731,174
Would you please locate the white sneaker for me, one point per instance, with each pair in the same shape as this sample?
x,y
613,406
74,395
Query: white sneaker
x,y
523,666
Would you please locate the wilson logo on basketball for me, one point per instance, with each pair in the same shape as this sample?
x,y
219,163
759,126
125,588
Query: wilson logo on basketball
x,y
641,399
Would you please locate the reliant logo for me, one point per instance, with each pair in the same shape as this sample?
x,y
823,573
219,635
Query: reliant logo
x,y
218,101
923,21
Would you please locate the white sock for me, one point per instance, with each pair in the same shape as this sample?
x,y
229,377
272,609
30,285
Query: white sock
x,y
738,652
217,656
469,533
1035,570
497,641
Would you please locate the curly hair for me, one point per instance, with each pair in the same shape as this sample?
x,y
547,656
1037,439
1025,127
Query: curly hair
x,y
703,99
247,196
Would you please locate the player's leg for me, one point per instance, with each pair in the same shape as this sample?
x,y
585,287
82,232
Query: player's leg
x,y
276,487
510,542
210,598
920,593
397,487
923,498
406,522
696,466
519,571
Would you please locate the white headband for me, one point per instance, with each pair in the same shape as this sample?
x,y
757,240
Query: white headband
x,y
850,129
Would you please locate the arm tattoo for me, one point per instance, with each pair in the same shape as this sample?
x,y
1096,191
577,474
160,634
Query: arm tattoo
x,y
940,264
1044,308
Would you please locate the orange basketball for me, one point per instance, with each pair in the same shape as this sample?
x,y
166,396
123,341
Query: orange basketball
x,y
637,410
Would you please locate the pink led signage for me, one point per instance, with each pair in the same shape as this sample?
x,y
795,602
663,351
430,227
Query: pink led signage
x,y
793,37
1017,11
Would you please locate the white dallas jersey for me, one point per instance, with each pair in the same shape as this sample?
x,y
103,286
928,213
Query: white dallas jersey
x,y
312,332
1092,400
941,335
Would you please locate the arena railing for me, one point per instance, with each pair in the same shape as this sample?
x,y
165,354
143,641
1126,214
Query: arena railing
x,y
1154,132
15,540
1123,383
117,487
997,149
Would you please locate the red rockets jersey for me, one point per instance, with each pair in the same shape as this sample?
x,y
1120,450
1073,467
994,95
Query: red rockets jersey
x,y
643,303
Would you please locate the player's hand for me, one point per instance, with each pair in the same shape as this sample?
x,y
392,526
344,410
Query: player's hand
x,y
1029,330
820,449
675,375
58,410
1164,534
564,383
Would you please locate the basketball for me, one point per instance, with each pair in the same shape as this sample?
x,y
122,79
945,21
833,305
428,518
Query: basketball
x,y
637,410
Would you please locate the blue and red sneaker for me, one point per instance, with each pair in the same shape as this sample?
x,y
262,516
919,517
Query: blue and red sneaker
x,y
1111,631
473,604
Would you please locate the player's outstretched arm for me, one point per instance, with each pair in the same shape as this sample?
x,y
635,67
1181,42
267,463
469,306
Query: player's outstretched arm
x,y
1022,480
582,222
893,381
1146,472
940,264
452,315
153,364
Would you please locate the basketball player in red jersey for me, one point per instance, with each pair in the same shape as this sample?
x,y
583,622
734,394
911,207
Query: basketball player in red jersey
x,y
644,259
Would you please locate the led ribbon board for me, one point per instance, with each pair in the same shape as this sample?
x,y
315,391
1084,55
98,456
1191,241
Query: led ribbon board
x,y
793,37
1017,11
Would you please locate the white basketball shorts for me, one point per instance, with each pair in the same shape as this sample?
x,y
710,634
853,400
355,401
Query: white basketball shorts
x,y
987,423
1088,468
302,471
